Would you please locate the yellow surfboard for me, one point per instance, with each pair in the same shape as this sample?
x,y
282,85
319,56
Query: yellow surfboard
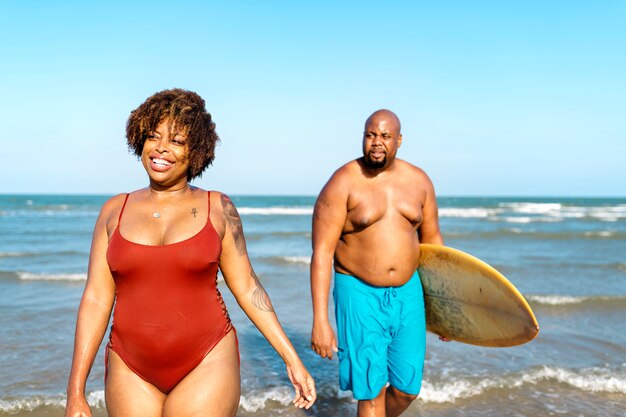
x,y
469,301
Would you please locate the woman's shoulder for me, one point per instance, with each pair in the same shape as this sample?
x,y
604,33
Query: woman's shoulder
x,y
223,209
114,203
220,200
110,211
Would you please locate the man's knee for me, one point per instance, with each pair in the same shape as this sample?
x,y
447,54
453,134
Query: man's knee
x,y
400,396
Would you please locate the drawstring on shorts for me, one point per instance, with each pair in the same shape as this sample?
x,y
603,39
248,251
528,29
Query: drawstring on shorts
x,y
388,295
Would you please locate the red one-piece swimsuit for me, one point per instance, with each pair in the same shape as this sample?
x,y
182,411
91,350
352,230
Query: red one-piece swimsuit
x,y
169,313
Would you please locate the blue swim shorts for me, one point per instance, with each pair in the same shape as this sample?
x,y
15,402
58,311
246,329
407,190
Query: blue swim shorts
x,y
381,334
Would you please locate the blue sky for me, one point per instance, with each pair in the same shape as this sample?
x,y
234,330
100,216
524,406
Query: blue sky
x,y
495,98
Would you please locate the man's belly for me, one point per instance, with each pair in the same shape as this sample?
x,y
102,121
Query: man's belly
x,y
385,261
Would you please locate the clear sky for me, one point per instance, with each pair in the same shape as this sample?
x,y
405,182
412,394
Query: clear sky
x,y
495,97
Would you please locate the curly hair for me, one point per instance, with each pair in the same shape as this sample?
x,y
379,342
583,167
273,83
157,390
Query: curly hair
x,y
186,111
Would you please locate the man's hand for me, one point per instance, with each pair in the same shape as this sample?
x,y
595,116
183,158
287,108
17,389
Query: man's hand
x,y
323,340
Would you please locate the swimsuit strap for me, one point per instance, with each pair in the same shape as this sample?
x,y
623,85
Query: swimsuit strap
x,y
208,215
122,211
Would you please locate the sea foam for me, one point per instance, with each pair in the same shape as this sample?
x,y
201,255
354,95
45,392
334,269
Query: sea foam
x,y
555,300
526,212
27,404
257,399
568,300
273,211
28,276
14,254
304,260
589,380
535,208
17,405
472,212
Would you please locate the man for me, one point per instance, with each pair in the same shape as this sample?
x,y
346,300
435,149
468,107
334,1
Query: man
x,y
370,219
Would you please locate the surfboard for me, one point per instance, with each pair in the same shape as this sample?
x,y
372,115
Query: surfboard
x,y
469,301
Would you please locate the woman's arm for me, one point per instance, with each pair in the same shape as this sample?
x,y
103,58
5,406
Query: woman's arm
x,y
254,301
93,316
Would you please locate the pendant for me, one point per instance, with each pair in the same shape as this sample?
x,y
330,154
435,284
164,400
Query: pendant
x,y
156,214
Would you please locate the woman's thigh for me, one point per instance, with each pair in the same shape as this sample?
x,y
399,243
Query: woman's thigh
x,y
212,388
127,394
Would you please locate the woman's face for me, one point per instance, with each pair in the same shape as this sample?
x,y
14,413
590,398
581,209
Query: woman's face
x,y
165,155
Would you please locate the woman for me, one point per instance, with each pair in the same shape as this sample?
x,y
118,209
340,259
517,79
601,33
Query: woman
x,y
155,254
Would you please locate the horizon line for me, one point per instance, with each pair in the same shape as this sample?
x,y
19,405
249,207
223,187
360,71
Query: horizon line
x,y
73,194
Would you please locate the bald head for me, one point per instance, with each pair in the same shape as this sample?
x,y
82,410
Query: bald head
x,y
387,116
381,140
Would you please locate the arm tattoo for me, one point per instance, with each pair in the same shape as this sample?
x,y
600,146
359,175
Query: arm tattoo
x,y
318,205
232,219
324,202
260,299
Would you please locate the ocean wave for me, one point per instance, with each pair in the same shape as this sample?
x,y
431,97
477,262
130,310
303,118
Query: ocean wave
x,y
601,234
306,260
36,254
535,208
559,209
526,212
535,233
555,300
592,380
290,260
28,404
71,277
65,213
15,254
526,219
305,234
256,400
251,401
589,380
29,276
471,212
273,211
582,301
282,234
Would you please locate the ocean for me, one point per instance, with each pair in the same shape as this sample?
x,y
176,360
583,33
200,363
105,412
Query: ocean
x,y
567,256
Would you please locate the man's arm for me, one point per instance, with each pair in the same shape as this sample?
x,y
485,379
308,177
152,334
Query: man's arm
x,y
329,217
429,229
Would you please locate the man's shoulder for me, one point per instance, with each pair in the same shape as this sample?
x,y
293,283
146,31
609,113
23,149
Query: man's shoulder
x,y
342,179
350,165
407,168
346,171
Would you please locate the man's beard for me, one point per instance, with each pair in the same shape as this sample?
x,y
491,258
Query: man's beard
x,y
373,164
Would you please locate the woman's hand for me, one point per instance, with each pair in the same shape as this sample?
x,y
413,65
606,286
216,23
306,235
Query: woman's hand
x,y
304,385
77,406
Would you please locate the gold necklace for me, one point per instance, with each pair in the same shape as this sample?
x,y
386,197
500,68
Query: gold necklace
x,y
157,212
